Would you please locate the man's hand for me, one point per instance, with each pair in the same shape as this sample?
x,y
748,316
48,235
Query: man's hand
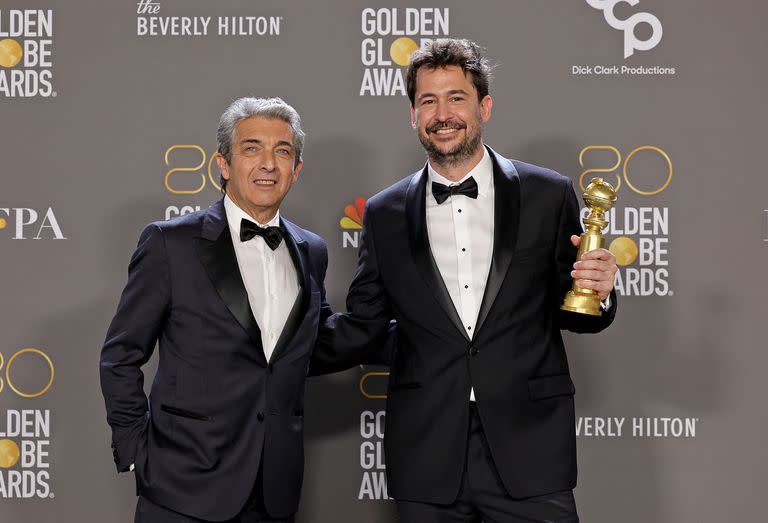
x,y
596,270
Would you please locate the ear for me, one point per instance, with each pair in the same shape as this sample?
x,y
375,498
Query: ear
x,y
414,121
485,107
295,174
223,165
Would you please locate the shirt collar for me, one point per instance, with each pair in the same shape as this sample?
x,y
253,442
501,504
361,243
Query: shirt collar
x,y
482,172
235,214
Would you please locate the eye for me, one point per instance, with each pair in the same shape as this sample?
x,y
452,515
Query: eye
x,y
427,102
284,152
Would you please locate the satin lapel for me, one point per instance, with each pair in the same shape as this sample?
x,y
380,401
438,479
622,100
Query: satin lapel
x,y
416,218
298,249
506,210
217,254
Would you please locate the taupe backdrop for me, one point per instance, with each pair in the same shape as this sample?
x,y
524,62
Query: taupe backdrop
x,y
692,352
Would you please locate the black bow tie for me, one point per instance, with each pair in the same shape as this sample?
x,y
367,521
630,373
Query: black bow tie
x,y
441,192
272,235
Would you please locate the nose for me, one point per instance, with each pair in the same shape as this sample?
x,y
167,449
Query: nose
x,y
442,111
268,161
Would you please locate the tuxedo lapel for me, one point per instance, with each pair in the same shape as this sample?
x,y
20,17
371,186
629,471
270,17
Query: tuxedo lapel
x,y
217,254
416,218
297,247
506,220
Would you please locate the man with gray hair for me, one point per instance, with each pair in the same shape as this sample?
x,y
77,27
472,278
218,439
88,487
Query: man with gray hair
x,y
234,295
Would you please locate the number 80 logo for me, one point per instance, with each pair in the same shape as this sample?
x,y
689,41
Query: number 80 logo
x,y
8,368
196,170
624,171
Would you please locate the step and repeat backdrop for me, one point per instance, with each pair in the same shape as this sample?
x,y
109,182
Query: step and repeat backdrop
x,y
109,111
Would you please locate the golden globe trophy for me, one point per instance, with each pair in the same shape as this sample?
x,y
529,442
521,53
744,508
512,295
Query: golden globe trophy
x,y
599,196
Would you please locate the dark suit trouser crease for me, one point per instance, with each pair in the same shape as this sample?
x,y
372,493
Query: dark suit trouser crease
x,y
253,512
482,497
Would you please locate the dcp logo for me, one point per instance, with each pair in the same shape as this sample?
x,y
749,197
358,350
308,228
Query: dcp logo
x,y
631,42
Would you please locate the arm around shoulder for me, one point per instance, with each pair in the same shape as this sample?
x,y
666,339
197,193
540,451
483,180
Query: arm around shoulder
x,y
363,334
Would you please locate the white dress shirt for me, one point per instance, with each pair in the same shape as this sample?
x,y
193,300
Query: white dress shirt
x,y
461,239
269,276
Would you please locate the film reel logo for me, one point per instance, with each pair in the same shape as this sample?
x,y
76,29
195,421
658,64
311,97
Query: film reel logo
x,y
628,26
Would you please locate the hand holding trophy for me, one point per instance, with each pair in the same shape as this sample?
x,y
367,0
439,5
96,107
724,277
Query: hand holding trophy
x,y
599,196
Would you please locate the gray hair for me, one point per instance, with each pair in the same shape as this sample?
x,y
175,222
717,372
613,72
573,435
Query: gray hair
x,y
249,107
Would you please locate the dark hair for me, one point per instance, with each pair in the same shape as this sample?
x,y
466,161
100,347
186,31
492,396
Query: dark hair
x,y
451,51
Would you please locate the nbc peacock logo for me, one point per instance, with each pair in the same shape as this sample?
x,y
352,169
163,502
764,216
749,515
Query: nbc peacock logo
x,y
352,223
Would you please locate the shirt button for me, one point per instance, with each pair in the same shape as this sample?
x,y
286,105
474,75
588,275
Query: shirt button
x,y
459,210
463,249
469,327
466,286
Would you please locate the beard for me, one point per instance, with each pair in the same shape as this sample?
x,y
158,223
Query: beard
x,y
460,153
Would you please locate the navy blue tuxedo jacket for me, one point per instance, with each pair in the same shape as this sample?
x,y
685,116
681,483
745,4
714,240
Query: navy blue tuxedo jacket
x,y
217,407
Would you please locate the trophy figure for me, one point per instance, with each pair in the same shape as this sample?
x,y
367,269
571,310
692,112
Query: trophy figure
x,y
599,196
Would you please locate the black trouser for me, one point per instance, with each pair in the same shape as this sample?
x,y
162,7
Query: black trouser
x,y
148,511
482,497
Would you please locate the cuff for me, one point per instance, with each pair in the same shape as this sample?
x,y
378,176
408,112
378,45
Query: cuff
x,y
606,303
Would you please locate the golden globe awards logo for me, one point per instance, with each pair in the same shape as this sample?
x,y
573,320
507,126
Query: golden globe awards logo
x,y
25,434
391,36
637,235
373,484
26,51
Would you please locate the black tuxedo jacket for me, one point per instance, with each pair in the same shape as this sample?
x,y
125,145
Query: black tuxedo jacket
x,y
516,361
217,407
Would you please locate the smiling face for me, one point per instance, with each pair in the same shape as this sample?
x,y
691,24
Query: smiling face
x,y
448,117
263,166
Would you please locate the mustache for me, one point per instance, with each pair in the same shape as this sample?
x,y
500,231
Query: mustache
x,y
448,124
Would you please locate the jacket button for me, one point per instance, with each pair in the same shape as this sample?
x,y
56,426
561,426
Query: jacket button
x,y
260,416
270,368
473,351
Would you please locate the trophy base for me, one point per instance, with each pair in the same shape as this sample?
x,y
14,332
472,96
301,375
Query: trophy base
x,y
582,304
